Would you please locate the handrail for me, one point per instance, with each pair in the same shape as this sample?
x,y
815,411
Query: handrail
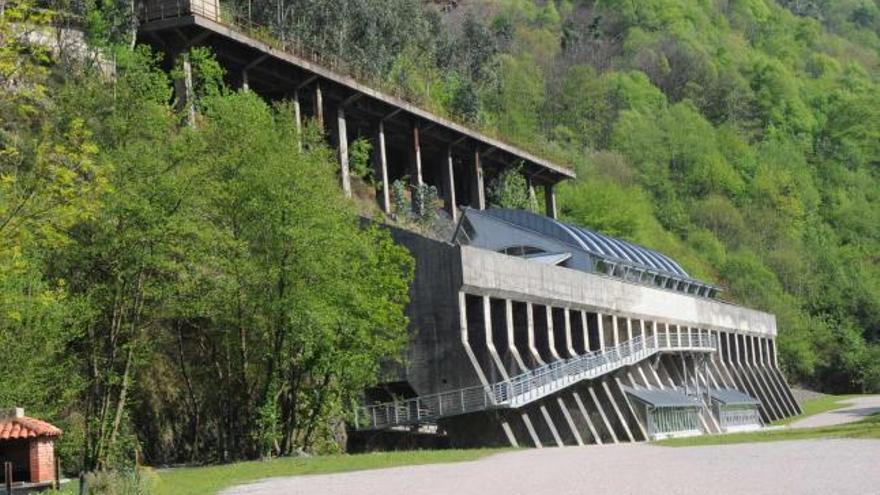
x,y
527,387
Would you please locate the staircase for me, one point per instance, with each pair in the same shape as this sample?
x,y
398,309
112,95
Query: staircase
x,y
527,387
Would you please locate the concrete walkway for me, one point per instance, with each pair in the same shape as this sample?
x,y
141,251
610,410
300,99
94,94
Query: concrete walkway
x,y
857,409
838,466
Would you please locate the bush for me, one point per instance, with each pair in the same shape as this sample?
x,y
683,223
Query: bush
x,y
129,482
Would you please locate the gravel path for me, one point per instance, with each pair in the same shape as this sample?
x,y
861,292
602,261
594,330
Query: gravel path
x,y
857,409
840,466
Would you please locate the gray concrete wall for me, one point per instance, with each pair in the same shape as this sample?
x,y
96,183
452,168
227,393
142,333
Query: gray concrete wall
x,y
499,275
436,360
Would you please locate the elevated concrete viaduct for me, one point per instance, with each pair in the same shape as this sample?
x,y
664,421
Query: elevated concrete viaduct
x,y
407,140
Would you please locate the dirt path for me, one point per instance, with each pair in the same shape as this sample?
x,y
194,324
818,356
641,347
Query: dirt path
x,y
839,466
857,409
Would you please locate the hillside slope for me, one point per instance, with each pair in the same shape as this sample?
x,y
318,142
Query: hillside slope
x,y
740,137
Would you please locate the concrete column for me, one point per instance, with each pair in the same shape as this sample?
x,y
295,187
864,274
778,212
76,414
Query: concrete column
x,y
478,193
462,320
616,408
550,200
319,106
511,340
416,155
245,84
189,95
343,151
629,406
584,321
551,425
656,333
297,118
532,196
569,344
586,416
615,338
382,167
629,332
530,324
531,429
601,331
602,413
568,419
490,342
449,186
550,337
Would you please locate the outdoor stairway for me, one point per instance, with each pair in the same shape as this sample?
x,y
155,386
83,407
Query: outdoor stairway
x,y
527,387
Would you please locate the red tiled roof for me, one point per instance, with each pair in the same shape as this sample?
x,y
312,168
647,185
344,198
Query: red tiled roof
x,y
23,428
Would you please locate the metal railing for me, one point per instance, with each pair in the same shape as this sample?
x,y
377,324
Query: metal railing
x,y
739,417
527,387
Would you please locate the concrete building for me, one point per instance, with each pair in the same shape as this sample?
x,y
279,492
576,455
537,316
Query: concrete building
x,y
530,332
525,331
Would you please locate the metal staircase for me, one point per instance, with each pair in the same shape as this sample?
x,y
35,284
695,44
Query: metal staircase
x,y
527,387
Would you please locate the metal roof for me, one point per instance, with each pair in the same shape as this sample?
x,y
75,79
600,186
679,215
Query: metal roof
x,y
662,398
590,241
730,397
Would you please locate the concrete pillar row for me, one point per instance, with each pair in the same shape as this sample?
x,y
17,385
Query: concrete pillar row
x,y
750,387
773,406
772,378
782,408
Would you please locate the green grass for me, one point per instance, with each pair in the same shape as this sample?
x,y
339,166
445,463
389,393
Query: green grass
x,y
211,479
866,428
818,405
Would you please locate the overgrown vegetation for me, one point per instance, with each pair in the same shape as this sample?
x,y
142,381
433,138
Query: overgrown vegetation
x,y
198,293
206,293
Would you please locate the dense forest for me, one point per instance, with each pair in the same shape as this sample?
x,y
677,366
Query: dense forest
x,y
201,291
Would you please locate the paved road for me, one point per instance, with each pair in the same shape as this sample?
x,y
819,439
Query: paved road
x,y
857,409
840,467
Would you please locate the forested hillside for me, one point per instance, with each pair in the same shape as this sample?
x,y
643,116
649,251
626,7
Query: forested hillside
x,y
742,137
204,292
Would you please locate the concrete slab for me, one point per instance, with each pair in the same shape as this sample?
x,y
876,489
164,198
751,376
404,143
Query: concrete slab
x,y
839,466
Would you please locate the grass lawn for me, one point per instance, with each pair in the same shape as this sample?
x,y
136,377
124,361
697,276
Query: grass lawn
x,y
866,428
818,405
211,479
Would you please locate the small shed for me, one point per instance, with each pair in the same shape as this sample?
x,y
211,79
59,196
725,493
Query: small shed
x,y
666,413
735,410
29,445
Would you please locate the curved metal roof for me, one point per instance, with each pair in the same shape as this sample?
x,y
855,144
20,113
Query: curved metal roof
x,y
591,242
